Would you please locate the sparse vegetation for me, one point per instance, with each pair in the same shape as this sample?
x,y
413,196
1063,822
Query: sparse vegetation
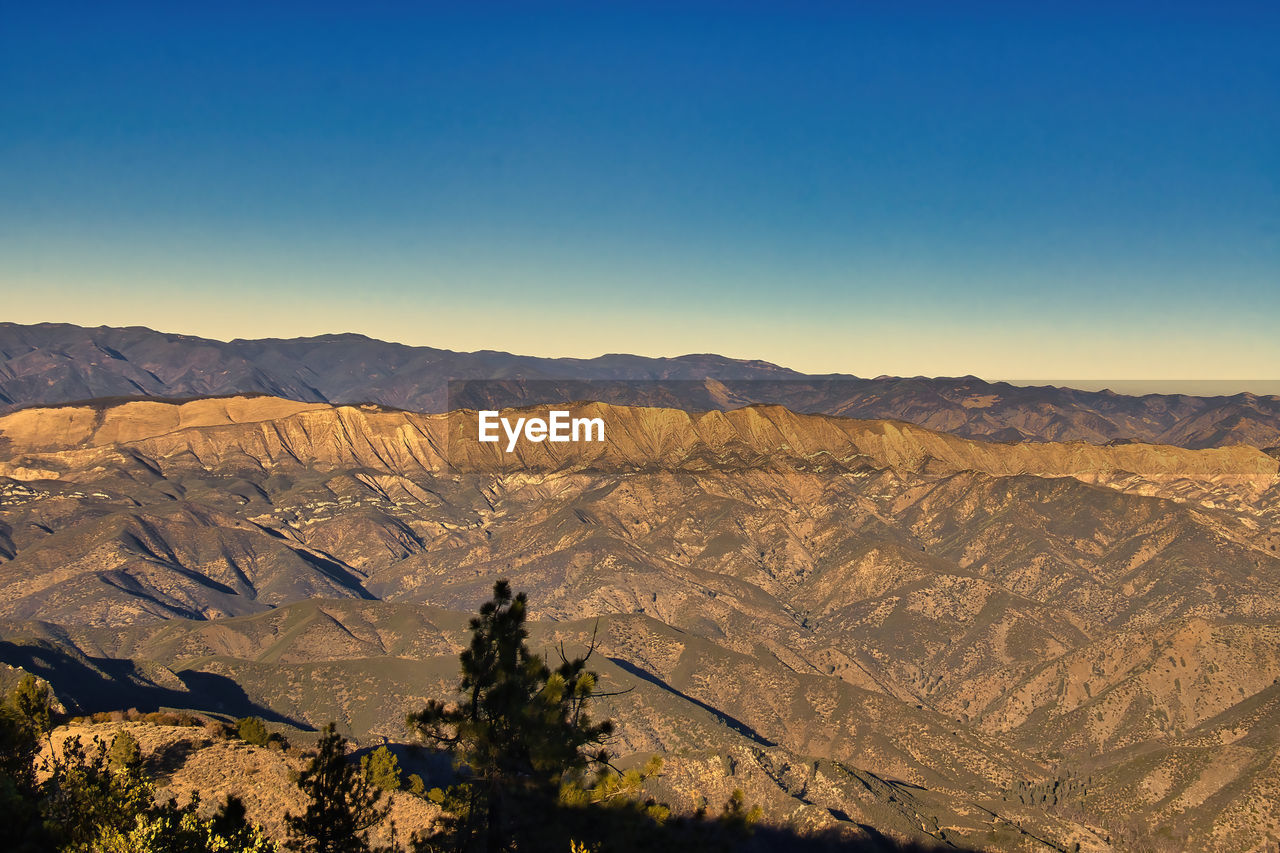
x,y
95,797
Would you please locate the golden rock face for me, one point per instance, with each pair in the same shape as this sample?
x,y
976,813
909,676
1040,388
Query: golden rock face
x,y
637,437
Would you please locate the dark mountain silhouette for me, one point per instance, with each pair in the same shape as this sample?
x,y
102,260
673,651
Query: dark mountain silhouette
x,y
58,363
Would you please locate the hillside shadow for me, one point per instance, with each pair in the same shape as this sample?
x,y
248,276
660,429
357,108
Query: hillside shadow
x,y
435,766
168,758
219,693
89,685
625,830
769,839
732,722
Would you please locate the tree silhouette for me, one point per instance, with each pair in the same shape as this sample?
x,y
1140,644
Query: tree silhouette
x,y
520,731
24,719
342,804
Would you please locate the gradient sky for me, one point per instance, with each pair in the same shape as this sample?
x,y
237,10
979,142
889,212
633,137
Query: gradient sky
x,y
1025,190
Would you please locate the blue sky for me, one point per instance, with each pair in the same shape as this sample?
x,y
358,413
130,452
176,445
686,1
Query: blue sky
x,y
1038,190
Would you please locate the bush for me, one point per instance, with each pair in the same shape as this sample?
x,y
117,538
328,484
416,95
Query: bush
x,y
125,754
217,730
89,793
253,730
31,700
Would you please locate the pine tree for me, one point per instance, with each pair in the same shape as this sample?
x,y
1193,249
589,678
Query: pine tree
x,y
342,804
520,732
23,721
382,768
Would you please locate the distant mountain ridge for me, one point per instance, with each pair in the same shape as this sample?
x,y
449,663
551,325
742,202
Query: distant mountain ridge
x,y
50,364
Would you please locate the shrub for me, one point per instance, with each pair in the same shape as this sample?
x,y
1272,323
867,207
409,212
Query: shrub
x,y
253,730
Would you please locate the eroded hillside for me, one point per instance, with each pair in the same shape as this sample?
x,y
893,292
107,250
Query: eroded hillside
x,y
857,621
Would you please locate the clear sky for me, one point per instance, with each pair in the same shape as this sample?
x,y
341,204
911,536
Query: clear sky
x,y
1022,189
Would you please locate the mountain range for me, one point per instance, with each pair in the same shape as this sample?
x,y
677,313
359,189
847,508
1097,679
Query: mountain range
x,y
57,363
861,623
